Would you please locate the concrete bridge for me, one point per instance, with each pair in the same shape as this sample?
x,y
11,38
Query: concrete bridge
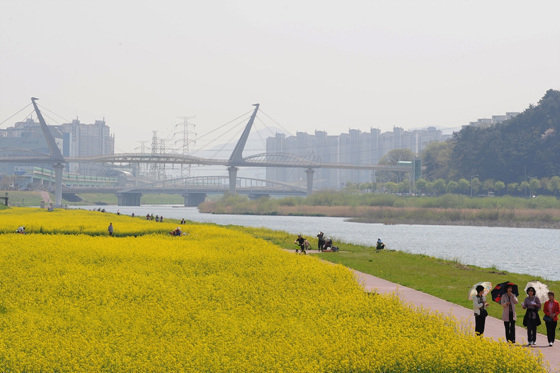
x,y
195,189
235,161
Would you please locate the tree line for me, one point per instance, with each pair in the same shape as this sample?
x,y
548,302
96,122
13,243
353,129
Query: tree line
x,y
473,187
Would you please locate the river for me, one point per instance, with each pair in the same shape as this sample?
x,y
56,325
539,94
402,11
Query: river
x,y
521,250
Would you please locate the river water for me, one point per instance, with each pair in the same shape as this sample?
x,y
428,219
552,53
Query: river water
x,y
520,250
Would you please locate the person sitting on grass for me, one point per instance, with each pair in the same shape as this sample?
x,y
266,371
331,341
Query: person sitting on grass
x,y
380,245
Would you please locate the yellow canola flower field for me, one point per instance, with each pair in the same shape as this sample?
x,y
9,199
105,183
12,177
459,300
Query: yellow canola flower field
x,y
216,300
78,222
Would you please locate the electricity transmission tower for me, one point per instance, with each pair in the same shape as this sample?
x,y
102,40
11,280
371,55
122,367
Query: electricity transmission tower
x,y
154,167
188,138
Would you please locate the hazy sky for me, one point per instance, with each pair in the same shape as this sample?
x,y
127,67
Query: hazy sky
x,y
325,65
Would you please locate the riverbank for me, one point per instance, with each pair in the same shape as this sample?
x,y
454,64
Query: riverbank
x,y
222,299
449,280
490,217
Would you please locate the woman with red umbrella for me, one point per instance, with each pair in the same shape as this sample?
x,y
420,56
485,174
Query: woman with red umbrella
x,y
508,302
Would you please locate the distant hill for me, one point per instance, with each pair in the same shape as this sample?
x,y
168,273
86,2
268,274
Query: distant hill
x,y
527,146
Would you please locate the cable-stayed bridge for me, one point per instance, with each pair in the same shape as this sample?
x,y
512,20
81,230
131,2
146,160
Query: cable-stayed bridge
x,y
131,196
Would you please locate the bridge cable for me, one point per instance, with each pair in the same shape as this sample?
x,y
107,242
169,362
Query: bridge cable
x,y
223,125
58,115
266,127
281,126
7,119
223,134
231,139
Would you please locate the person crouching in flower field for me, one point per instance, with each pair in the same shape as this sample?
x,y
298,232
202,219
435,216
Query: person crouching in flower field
x,y
300,241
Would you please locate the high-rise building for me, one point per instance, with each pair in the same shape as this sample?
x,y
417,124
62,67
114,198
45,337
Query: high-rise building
x,y
86,140
74,139
354,147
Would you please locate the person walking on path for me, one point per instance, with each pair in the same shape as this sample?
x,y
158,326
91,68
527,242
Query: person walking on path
x,y
480,312
531,320
508,302
551,309
300,241
110,229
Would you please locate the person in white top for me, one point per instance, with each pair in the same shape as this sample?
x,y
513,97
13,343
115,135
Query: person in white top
x,y
480,313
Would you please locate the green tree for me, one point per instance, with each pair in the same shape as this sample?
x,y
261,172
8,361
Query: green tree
x,y
499,187
421,186
391,187
436,158
404,186
464,186
546,186
439,186
534,185
452,186
555,184
393,158
488,185
529,142
512,188
430,187
524,187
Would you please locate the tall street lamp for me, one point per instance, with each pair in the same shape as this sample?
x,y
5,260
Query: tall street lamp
x,y
471,182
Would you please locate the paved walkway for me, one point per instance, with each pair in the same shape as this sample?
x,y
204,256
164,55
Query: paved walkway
x,y
494,327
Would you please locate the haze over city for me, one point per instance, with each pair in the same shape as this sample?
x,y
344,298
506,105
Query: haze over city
x,y
312,65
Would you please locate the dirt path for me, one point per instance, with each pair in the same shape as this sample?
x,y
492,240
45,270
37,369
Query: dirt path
x,y
494,328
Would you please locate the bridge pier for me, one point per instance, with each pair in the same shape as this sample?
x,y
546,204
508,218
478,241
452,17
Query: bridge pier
x,y
193,199
58,167
232,170
309,173
129,198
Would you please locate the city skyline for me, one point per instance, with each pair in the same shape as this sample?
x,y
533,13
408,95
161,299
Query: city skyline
x,y
311,65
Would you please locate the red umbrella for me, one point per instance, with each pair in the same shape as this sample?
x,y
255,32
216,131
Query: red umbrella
x,y
500,290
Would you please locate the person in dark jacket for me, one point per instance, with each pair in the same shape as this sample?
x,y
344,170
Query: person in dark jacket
x,y
532,304
300,241
480,313
320,240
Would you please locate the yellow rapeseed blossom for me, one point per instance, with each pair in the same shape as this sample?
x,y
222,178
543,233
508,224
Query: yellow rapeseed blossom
x,y
215,300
